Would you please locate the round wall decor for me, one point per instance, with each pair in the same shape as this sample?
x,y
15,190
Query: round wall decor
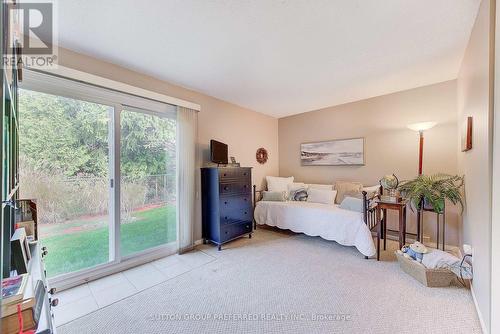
x,y
261,155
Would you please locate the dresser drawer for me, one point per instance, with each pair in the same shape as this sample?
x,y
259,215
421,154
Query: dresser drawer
x,y
243,214
228,174
235,188
237,202
232,231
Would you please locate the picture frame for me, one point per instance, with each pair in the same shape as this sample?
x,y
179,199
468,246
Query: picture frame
x,y
466,140
337,152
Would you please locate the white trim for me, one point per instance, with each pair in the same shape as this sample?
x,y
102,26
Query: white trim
x,y
115,190
479,314
120,86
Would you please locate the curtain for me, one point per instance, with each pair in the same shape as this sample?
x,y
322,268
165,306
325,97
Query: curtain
x,y
187,135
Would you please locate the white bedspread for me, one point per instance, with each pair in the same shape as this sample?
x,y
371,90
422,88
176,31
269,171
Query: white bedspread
x,y
327,221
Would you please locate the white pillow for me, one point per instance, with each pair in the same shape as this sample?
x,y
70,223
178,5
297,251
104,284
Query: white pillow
x,y
321,196
275,183
372,189
352,204
321,186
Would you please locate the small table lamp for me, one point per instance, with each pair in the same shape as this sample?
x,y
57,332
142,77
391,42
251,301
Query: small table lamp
x,y
421,127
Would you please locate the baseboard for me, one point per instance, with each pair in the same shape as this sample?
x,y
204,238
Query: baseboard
x,y
479,314
198,242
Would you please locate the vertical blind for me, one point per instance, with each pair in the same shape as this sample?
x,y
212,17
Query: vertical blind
x,y
187,129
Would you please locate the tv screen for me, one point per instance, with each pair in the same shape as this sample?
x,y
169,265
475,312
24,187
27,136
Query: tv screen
x,y
218,152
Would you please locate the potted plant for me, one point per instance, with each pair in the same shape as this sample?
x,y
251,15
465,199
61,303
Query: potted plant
x,y
432,191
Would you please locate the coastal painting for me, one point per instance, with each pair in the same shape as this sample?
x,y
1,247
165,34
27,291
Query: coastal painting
x,y
340,152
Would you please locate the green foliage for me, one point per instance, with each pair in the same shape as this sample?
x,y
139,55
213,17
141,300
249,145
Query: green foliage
x,y
434,190
61,134
147,145
71,136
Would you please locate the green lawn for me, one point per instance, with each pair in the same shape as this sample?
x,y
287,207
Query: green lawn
x,y
74,251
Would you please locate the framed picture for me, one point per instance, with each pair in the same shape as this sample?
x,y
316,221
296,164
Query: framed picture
x,y
467,134
339,152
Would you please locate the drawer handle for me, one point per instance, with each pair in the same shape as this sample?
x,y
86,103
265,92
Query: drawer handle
x,y
245,199
226,188
225,218
245,174
225,174
245,186
54,302
225,202
226,232
246,212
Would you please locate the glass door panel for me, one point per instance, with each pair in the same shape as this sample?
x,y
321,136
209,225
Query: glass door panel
x,y
64,164
148,181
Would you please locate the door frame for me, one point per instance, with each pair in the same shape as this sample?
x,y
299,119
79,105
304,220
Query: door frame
x,y
116,262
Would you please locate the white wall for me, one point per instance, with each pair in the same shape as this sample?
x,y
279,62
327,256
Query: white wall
x,y
390,147
475,98
495,219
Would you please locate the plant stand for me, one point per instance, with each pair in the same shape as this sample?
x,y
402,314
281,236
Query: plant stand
x,y
420,225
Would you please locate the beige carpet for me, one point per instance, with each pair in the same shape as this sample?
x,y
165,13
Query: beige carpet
x,y
278,282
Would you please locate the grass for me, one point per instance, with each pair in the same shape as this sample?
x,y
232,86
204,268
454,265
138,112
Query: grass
x,y
75,251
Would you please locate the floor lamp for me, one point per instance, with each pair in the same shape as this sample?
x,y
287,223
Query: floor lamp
x,y
420,127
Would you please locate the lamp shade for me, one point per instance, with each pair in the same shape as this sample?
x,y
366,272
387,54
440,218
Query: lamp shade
x,y
422,126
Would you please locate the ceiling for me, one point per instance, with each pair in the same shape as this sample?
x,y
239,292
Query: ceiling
x,y
277,57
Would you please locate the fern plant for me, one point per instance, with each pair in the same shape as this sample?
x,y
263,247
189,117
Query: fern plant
x,y
433,191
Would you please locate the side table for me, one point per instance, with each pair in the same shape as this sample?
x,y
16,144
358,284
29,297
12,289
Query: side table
x,y
382,208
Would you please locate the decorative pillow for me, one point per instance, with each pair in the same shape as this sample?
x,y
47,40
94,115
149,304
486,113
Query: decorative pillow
x,y
320,186
344,187
372,190
274,196
352,204
321,196
353,194
300,195
275,183
297,191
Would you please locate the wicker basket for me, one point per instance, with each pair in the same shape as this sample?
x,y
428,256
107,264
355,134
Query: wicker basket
x,y
429,277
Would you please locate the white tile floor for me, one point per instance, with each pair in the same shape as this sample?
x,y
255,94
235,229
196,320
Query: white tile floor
x,y
86,298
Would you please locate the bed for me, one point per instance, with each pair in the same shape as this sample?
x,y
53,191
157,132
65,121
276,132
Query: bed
x,y
330,222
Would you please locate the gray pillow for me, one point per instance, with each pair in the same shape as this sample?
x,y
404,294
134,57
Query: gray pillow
x,y
274,196
299,195
352,204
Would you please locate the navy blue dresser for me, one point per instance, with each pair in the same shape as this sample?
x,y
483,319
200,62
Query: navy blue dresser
x,y
226,203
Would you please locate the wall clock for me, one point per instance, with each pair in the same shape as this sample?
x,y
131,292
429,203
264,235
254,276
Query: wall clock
x,y
261,156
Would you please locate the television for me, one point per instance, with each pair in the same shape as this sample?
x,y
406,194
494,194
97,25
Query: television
x,y
218,152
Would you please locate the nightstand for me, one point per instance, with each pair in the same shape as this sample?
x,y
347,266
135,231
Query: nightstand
x,y
382,207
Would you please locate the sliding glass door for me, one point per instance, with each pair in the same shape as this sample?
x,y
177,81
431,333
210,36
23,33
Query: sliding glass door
x,y
103,171
148,186
64,165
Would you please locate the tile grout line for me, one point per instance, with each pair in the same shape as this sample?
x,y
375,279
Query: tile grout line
x,y
137,292
75,301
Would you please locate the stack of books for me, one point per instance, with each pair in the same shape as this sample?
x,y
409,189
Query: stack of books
x,y
18,290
